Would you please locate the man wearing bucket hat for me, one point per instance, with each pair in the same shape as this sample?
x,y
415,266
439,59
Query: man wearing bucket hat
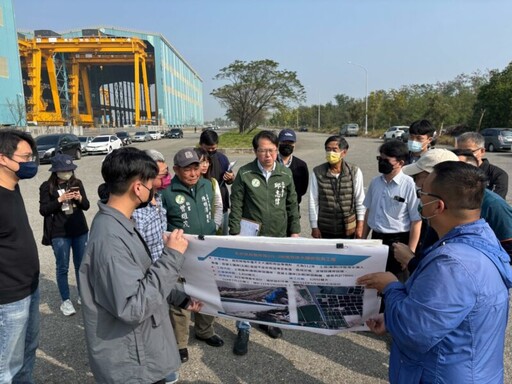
x,y
62,202
189,202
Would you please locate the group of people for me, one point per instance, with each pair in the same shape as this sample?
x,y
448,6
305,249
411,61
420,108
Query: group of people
x,y
445,290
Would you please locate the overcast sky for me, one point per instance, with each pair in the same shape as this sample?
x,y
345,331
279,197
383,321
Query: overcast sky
x,y
399,42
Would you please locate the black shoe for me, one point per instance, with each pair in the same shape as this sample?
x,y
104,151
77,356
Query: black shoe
x,y
240,347
184,355
214,341
273,332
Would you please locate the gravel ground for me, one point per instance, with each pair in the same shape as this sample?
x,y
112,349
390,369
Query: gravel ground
x,y
299,357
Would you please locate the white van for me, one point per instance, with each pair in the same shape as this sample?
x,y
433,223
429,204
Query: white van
x,y
351,129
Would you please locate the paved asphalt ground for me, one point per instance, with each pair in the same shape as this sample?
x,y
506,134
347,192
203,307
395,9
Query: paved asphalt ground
x,y
299,357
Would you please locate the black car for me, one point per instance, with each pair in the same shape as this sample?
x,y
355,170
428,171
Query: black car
x,y
303,129
174,133
50,145
125,137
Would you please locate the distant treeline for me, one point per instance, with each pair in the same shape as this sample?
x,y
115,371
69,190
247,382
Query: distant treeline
x,y
468,102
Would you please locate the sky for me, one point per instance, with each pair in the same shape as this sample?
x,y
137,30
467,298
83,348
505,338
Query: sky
x,y
399,42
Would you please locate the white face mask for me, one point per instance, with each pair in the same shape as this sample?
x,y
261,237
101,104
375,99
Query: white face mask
x,y
65,175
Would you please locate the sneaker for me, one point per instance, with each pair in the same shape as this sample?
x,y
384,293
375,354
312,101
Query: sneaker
x,y
240,347
67,308
273,332
172,378
79,301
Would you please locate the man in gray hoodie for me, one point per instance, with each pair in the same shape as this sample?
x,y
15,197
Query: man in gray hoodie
x,y
124,295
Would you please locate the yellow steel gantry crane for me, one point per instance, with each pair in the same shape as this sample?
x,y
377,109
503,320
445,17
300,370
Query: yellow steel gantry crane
x,y
39,54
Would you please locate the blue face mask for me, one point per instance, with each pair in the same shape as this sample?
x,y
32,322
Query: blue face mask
x,y
27,169
414,146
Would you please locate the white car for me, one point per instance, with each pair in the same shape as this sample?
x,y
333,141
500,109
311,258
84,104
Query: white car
x,y
155,135
395,132
104,144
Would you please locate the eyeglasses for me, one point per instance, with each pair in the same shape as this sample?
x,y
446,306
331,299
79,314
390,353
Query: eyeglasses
x,y
29,157
267,151
476,150
419,193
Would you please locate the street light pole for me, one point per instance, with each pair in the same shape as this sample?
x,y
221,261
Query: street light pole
x,y
365,97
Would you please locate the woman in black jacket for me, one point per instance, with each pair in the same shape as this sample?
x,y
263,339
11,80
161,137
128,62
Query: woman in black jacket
x,y
62,200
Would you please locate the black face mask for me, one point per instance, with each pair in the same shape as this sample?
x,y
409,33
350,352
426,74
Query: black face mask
x,y
285,149
144,204
385,167
212,153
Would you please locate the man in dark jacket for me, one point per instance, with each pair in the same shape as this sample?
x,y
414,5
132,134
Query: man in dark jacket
x,y
219,169
287,139
498,178
264,193
189,202
19,262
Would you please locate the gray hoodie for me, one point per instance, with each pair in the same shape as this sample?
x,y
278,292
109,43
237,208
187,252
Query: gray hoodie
x,y
125,303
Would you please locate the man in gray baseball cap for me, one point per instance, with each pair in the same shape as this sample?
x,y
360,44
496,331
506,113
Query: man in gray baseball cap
x,y
189,205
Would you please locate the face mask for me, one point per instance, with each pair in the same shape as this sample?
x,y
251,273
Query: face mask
x,y
166,181
414,146
385,167
420,209
333,157
65,175
27,169
211,153
285,149
144,204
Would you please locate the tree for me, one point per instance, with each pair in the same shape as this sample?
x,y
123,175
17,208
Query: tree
x,y
17,109
255,89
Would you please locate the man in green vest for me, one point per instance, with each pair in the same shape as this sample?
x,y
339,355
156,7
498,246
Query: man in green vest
x,y
189,202
336,195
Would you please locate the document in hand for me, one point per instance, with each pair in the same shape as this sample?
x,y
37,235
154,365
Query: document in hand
x,y
249,228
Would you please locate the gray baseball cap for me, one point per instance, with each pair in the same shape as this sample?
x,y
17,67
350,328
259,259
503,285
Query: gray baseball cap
x,y
184,157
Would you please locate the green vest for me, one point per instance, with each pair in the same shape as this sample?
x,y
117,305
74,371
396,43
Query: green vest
x,y
190,209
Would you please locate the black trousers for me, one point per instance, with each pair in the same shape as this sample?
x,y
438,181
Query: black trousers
x,y
388,239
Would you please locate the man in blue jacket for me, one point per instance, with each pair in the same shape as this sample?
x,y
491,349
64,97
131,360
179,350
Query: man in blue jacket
x,y
448,320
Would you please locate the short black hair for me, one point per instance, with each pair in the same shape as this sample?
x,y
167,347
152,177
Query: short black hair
x,y
269,135
122,166
422,127
10,138
209,137
396,149
468,154
461,185
342,143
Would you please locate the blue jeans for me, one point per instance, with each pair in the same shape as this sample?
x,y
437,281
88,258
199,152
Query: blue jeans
x,y
61,248
19,338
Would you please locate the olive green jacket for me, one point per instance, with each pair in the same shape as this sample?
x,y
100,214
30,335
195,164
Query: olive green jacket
x,y
272,204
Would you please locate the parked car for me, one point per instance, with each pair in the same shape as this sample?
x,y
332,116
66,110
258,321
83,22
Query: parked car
x,y
303,129
141,136
394,132
155,135
174,133
84,140
405,135
104,144
50,145
351,129
497,139
125,137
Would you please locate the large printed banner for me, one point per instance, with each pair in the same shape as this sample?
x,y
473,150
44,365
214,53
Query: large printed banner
x,y
297,283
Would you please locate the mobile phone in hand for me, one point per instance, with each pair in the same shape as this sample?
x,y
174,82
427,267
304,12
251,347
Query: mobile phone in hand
x,y
74,189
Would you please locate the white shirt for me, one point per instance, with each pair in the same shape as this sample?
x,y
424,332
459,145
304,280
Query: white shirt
x,y
266,174
313,197
392,206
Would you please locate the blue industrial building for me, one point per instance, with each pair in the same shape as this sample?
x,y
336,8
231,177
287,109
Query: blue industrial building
x,y
179,88
12,102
